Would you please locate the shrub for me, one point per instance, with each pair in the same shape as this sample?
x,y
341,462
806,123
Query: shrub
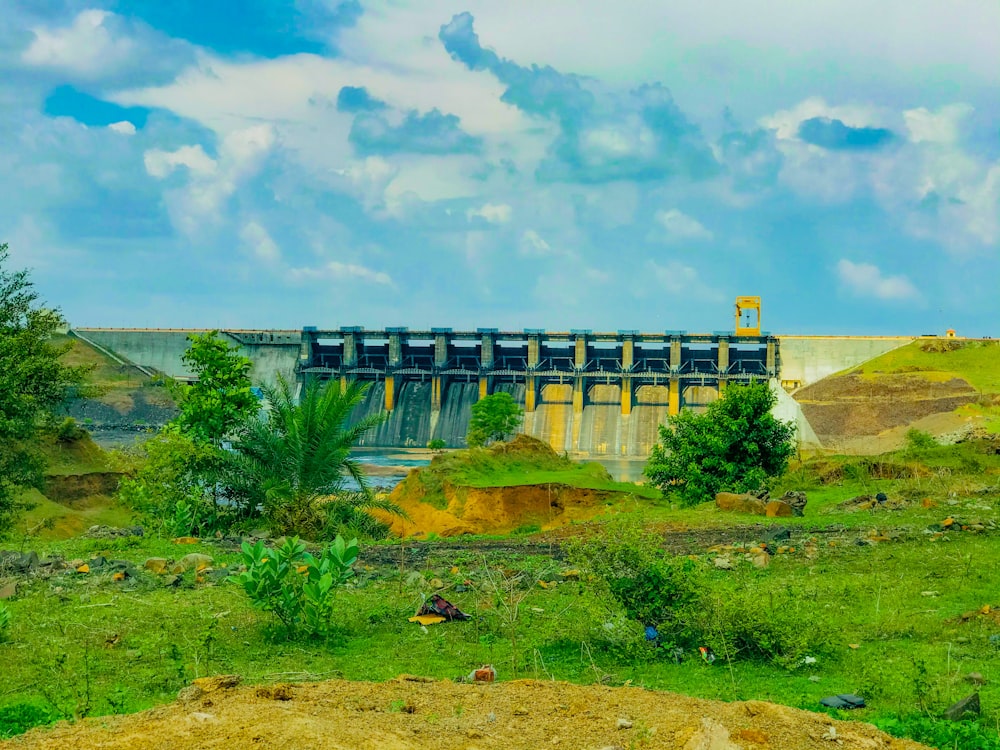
x,y
918,440
956,735
651,587
17,718
437,444
295,586
68,431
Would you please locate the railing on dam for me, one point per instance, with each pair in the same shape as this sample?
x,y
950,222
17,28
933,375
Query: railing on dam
x,y
534,358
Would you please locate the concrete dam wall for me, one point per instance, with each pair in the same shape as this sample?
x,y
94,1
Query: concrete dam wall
x,y
582,392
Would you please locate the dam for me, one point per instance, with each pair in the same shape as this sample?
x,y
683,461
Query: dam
x,y
585,392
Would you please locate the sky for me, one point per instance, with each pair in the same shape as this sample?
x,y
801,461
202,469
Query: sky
x,y
567,164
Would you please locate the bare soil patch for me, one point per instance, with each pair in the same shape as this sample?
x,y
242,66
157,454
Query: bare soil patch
x,y
411,713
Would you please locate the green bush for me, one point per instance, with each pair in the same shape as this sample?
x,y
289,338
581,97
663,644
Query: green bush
x,y
295,586
918,440
652,587
17,718
437,444
748,623
953,735
68,431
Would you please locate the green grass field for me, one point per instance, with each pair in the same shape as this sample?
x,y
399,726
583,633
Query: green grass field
x,y
978,362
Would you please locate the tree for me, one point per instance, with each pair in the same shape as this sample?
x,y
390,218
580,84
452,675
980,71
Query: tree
x,y
33,381
294,462
736,445
494,417
214,407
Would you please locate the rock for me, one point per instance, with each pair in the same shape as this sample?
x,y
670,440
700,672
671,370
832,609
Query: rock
x,y
27,562
761,560
190,693
437,583
779,534
186,540
98,562
797,501
778,509
172,581
8,590
156,565
520,711
969,705
110,532
974,677
194,561
623,724
740,503
723,563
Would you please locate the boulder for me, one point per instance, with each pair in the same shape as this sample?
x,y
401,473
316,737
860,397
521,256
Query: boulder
x,y
741,503
969,705
156,565
797,501
778,509
194,561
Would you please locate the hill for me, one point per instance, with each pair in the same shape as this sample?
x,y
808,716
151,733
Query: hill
x,y
947,387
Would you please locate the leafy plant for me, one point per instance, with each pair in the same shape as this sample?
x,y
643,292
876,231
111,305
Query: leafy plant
x,y
437,444
183,520
296,460
954,735
221,399
736,445
69,431
17,718
494,417
919,440
297,587
650,586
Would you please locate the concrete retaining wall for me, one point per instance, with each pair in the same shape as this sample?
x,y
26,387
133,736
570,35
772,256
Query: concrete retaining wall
x,y
807,359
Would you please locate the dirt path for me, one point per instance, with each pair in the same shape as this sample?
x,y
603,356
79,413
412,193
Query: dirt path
x,y
408,713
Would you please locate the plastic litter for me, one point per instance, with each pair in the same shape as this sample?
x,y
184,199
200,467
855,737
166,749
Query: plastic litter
x,y
707,655
844,701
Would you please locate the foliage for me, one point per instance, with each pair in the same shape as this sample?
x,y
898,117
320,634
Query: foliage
x,y
68,431
651,587
4,622
296,459
177,472
18,718
494,417
221,400
736,445
918,440
33,382
295,586
954,735
437,444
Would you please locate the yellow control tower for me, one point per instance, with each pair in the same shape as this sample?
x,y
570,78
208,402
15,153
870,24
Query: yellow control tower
x,y
748,316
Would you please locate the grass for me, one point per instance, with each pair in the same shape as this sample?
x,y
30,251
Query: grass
x,y
904,621
978,362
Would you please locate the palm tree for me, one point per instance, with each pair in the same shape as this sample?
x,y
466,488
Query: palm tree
x,y
294,461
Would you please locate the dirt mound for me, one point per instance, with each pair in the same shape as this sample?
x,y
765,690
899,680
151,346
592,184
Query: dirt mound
x,y
844,407
492,510
524,446
411,714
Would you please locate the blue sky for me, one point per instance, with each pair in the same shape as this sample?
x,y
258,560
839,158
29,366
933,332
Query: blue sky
x,y
467,163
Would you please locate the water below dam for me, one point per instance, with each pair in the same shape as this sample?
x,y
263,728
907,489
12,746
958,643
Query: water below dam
x,y
387,467
599,430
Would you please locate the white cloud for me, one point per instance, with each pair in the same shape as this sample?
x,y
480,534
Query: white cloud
x,y
210,182
161,163
532,243
492,213
785,123
86,47
935,127
337,271
866,280
679,226
123,128
682,280
259,242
